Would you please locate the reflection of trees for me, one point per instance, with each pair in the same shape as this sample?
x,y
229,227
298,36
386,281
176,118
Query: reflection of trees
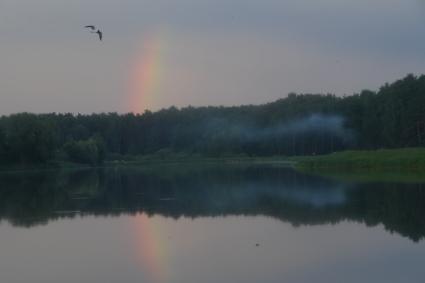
x,y
35,198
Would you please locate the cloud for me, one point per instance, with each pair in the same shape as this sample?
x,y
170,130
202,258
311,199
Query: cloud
x,y
218,51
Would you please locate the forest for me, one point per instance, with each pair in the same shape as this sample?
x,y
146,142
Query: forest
x,y
299,124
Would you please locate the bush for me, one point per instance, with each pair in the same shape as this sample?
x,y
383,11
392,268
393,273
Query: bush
x,y
91,151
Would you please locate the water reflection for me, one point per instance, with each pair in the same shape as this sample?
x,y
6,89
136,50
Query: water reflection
x,y
35,198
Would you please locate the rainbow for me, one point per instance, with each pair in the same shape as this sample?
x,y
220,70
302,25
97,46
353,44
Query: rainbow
x,y
145,75
150,248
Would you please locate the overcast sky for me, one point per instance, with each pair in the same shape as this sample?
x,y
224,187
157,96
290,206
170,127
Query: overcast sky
x,y
208,52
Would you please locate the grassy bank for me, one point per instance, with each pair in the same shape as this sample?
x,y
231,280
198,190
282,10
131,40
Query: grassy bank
x,y
405,165
406,159
384,162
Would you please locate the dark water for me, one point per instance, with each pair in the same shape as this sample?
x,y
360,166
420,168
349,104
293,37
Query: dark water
x,y
216,224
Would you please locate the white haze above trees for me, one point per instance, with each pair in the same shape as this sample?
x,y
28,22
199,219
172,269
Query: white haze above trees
x,y
246,132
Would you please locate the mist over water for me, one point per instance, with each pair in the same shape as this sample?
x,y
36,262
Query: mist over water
x,y
179,192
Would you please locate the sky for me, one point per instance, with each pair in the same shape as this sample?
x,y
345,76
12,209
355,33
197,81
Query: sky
x,y
160,53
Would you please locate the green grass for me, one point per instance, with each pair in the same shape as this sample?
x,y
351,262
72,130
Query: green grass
x,y
385,164
406,159
406,165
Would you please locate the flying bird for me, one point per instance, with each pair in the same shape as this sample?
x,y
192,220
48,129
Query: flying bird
x,y
91,27
100,34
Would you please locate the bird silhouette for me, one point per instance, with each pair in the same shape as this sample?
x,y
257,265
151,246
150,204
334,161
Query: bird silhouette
x,y
100,34
93,28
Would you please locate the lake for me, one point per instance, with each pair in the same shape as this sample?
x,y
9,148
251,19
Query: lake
x,y
189,223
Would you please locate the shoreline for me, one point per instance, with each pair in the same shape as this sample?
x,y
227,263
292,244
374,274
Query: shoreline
x,y
403,159
406,165
53,166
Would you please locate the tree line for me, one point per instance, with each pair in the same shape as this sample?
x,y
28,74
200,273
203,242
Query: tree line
x,y
299,124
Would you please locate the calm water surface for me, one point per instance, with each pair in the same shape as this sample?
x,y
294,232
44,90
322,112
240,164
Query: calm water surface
x,y
213,224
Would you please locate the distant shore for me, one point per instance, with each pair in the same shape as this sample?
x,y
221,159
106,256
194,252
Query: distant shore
x,y
406,165
404,159
385,162
154,161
